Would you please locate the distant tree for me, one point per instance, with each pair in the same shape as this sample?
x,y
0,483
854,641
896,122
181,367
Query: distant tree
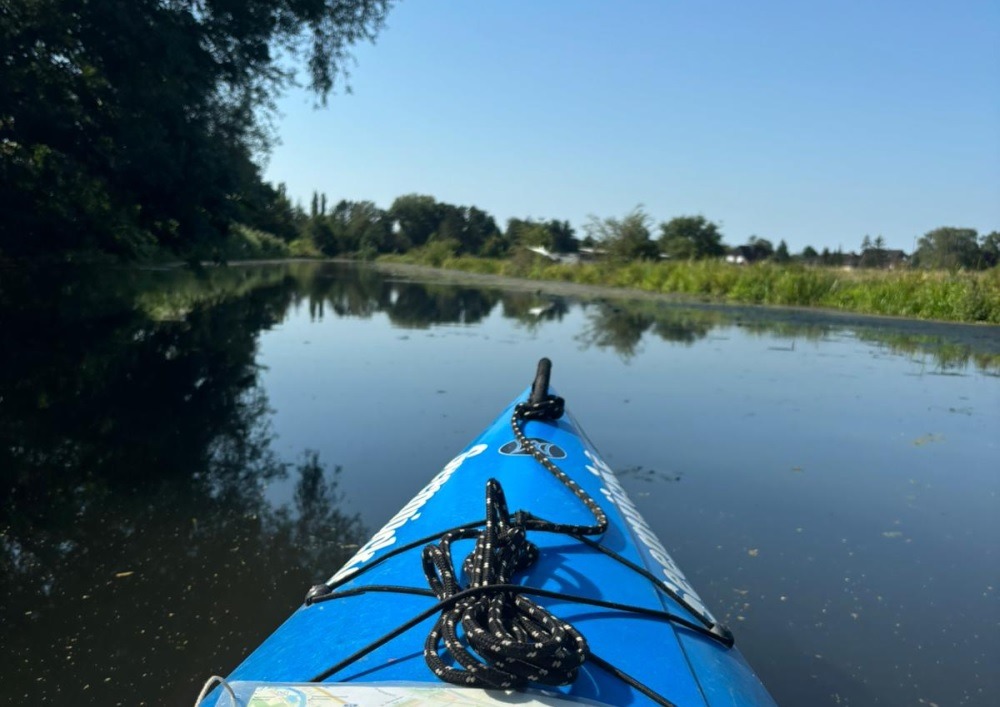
x,y
949,248
320,232
624,239
866,243
809,253
690,237
495,246
989,249
826,258
371,228
563,236
419,219
516,228
781,254
416,218
353,227
450,226
528,232
478,227
268,208
758,249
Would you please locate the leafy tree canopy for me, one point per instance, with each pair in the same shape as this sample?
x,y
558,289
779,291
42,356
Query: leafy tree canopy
x,y
627,238
989,247
416,217
758,249
949,248
124,124
419,219
687,237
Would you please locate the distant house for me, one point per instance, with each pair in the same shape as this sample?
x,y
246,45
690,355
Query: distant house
x,y
554,257
882,258
740,255
893,259
850,261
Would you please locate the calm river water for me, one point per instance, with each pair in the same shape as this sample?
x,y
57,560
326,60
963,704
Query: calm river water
x,y
182,455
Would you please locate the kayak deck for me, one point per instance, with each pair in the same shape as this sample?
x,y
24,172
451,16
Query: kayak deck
x,y
682,663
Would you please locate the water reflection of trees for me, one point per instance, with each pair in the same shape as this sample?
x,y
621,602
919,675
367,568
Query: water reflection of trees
x,y
621,326
532,310
612,326
346,290
418,306
135,452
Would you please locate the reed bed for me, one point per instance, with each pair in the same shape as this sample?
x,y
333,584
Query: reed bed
x,y
949,296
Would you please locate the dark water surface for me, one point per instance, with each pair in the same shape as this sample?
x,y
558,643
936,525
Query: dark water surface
x,y
182,455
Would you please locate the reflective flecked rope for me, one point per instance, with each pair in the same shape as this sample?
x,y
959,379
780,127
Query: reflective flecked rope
x,y
551,408
515,640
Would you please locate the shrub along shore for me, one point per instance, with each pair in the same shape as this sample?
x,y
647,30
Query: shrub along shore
x,y
961,296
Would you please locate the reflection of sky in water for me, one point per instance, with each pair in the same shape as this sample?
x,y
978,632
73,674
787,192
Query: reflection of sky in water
x,y
835,501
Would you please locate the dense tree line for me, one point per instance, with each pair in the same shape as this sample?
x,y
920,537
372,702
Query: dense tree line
x,y
952,248
131,125
416,221
360,228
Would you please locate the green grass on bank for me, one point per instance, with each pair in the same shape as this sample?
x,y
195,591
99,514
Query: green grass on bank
x,y
959,297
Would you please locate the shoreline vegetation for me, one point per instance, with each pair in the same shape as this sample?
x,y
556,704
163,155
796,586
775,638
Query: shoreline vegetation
x,y
966,297
957,296
952,276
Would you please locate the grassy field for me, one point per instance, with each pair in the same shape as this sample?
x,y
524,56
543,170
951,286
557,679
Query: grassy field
x,y
958,297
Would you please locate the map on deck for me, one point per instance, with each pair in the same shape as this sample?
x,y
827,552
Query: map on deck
x,y
376,695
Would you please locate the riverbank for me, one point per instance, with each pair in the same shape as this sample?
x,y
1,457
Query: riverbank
x,y
969,297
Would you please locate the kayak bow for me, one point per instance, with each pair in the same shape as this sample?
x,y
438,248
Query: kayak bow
x,y
569,600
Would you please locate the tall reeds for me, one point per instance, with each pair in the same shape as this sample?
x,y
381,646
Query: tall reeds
x,y
951,296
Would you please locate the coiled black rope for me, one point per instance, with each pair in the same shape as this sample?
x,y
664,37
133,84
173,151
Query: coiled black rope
x,y
515,640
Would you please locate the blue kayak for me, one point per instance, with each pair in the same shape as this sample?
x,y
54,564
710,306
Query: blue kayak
x,y
522,573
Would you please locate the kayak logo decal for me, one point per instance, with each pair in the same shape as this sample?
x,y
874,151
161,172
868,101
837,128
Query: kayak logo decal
x,y
550,449
670,574
387,536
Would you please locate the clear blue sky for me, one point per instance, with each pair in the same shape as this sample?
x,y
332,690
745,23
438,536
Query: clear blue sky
x,y
812,122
